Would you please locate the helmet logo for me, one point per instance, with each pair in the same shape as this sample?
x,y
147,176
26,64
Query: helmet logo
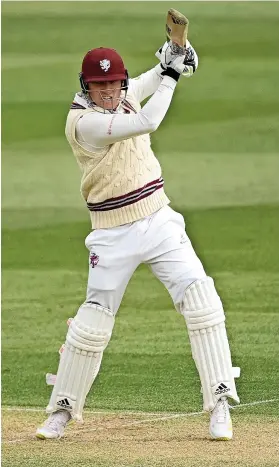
x,y
105,64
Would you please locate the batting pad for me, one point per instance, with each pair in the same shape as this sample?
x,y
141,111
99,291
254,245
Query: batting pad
x,y
205,319
88,335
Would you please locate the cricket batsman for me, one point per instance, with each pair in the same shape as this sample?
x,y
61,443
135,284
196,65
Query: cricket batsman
x,y
132,223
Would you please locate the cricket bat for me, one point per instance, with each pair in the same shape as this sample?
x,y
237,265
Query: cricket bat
x,y
177,30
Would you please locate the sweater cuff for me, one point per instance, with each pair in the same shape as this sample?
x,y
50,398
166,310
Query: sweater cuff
x,y
170,82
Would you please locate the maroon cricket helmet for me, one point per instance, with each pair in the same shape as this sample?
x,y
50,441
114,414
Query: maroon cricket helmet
x,y
102,64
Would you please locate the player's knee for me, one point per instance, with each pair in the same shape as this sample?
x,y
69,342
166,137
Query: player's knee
x,y
91,328
179,289
201,305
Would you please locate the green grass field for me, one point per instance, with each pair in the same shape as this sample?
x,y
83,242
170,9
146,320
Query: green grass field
x,y
219,150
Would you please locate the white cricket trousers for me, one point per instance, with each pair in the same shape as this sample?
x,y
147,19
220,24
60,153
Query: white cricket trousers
x,y
158,240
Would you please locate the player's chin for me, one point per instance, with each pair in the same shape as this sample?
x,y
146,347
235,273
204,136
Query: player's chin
x,y
110,104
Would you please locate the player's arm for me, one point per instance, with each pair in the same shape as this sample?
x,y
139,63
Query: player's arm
x,y
99,130
147,83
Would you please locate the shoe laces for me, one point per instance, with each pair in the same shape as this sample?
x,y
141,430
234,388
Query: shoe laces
x,y
56,420
222,410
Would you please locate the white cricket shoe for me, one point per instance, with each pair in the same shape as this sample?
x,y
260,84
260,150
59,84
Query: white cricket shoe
x,y
54,426
220,427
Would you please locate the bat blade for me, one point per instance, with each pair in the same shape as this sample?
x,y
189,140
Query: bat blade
x,y
177,30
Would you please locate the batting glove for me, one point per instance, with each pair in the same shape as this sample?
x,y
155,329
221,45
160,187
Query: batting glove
x,y
191,61
174,68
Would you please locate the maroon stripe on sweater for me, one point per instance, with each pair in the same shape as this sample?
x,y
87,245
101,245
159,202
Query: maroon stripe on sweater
x,y
125,102
125,203
118,198
75,105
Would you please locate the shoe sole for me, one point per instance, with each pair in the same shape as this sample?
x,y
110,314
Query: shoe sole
x,y
43,437
220,438
39,436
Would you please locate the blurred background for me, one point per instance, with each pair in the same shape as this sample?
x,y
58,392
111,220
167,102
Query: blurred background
x,y
218,147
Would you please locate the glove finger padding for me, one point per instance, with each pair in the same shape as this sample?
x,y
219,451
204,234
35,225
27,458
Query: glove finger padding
x,y
191,62
170,60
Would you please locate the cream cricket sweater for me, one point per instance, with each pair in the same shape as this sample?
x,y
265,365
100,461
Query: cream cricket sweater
x,y
121,177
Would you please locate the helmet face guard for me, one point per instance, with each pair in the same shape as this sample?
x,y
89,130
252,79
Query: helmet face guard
x,y
85,88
